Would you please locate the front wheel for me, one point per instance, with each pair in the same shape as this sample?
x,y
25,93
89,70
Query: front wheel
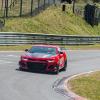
x,y
21,69
65,66
57,70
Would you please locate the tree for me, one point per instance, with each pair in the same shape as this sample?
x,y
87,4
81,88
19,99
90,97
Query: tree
x,y
68,1
96,0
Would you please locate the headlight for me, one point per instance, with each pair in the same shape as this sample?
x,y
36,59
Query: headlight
x,y
24,59
51,60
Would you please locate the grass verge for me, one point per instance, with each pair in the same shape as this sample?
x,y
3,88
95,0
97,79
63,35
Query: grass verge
x,y
72,47
15,48
87,86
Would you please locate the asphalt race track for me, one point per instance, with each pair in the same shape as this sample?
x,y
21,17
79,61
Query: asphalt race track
x,y
18,85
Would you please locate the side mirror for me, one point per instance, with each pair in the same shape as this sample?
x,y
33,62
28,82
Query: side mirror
x,y
26,50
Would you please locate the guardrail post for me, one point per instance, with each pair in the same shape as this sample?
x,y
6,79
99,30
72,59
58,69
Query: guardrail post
x,y
54,2
21,2
73,6
6,8
38,5
48,2
2,4
44,4
31,7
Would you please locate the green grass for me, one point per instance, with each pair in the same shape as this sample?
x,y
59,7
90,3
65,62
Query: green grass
x,y
15,48
87,86
52,21
75,47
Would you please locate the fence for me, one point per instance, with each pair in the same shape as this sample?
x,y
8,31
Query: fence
x,y
19,39
14,8
97,14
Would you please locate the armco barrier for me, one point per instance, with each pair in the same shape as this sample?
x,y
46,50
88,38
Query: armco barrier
x,y
19,39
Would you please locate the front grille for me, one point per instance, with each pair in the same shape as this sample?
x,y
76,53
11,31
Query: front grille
x,y
36,66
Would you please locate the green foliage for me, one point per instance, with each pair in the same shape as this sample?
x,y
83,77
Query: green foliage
x,y
96,0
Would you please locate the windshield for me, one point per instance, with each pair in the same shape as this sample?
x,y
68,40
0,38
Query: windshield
x,y
41,49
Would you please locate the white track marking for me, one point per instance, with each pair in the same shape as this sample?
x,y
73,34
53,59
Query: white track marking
x,y
4,61
12,56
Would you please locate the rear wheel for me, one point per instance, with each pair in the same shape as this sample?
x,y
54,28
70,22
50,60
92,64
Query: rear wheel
x,y
65,66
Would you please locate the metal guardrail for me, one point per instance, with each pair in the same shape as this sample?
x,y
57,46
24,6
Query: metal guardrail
x,y
20,39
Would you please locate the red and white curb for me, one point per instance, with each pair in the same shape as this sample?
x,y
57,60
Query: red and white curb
x,y
72,94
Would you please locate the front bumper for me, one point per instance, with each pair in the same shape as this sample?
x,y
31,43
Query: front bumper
x,y
38,65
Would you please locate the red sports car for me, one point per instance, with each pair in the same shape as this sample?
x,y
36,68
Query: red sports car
x,y
45,58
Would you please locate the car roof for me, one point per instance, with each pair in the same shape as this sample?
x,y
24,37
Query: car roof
x,y
54,46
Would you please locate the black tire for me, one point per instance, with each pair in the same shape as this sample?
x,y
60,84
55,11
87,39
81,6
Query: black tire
x,y
21,69
65,66
57,71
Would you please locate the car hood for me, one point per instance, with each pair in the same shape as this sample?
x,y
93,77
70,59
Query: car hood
x,y
39,55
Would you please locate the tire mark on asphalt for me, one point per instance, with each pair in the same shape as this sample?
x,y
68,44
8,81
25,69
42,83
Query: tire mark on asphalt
x,y
58,87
